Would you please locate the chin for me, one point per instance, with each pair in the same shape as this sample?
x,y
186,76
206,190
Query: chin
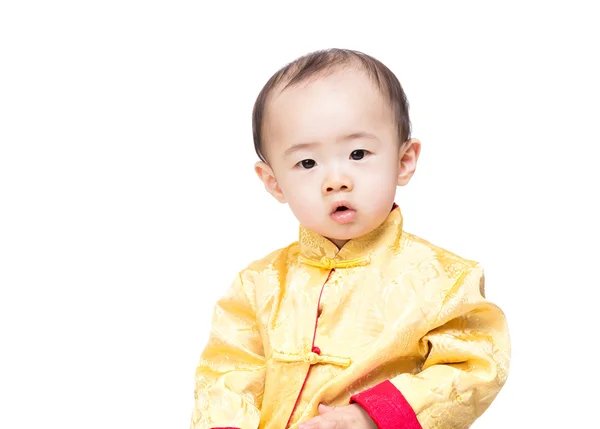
x,y
342,232
348,232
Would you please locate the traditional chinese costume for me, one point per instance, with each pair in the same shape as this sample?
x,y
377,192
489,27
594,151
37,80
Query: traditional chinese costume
x,y
388,321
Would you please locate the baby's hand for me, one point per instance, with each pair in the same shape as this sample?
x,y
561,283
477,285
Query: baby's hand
x,y
347,417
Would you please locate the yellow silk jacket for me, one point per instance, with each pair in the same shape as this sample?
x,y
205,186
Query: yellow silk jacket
x,y
389,321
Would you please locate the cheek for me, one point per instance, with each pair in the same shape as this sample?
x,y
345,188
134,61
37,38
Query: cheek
x,y
298,187
381,175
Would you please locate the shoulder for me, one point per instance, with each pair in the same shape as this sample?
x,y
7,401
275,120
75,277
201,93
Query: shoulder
x,y
442,269
263,277
416,250
270,264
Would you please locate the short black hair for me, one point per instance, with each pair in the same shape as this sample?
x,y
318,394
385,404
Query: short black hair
x,y
323,61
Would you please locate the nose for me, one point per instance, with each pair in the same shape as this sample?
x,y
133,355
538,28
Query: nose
x,y
336,183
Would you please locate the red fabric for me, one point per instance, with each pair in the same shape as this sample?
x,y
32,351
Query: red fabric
x,y
314,348
387,407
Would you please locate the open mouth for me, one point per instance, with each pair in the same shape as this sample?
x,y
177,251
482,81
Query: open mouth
x,y
343,212
341,206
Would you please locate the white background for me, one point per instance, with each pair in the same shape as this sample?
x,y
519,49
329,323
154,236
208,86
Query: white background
x,y
128,199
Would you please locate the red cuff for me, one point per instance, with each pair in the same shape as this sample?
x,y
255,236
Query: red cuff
x,y
387,407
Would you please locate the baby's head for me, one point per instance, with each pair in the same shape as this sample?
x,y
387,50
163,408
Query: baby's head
x,y
333,134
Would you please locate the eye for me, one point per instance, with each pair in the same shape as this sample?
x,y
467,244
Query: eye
x,y
307,163
358,154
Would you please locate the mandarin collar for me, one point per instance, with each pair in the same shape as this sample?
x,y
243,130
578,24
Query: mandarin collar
x,y
318,251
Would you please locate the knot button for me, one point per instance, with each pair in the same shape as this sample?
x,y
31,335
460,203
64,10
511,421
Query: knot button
x,y
327,263
311,358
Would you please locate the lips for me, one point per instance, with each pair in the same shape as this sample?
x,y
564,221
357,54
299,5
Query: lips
x,y
343,212
340,206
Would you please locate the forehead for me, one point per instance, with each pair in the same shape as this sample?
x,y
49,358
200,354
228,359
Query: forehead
x,y
324,108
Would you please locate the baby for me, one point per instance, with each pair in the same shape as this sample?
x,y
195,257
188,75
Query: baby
x,y
358,324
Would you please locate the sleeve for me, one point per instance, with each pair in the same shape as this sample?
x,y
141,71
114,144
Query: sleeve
x,y
231,370
466,362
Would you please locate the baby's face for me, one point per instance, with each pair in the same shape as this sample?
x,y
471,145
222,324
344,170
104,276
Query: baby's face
x,y
332,146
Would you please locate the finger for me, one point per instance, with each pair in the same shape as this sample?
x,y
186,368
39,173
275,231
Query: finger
x,y
310,424
333,424
323,423
325,409
328,424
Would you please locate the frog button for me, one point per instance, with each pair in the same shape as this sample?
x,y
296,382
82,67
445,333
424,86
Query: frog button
x,y
327,263
311,358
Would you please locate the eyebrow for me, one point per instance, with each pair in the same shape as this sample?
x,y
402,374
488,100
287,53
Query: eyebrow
x,y
353,136
359,135
297,147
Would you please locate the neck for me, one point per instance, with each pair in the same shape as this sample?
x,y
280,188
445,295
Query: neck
x,y
338,243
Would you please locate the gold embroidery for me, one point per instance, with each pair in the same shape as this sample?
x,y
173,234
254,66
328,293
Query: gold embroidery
x,y
312,358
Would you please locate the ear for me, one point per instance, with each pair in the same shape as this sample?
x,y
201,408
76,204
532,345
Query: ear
x,y
266,175
407,160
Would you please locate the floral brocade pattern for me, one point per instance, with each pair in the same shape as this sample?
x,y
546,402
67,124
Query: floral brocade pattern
x,y
312,324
